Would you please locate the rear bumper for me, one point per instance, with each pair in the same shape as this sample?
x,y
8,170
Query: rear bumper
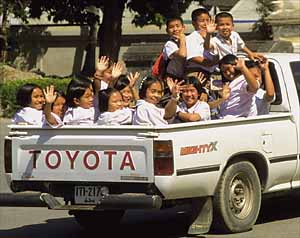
x,y
107,202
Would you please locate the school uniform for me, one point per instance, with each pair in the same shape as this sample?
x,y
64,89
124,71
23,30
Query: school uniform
x,y
224,47
56,117
79,116
118,117
240,102
175,64
201,108
28,115
261,104
148,114
195,48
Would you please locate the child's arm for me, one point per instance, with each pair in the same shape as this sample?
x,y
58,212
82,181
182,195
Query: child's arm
x,y
205,62
269,85
170,108
189,117
181,52
252,55
116,72
251,80
101,65
50,97
132,78
210,29
225,94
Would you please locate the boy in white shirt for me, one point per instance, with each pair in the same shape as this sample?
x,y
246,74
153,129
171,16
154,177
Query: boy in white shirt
x,y
199,59
174,51
226,41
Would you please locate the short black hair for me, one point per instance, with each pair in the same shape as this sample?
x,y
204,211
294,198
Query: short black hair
x,y
121,83
76,89
173,18
228,59
199,11
223,15
195,82
145,84
103,98
251,64
24,93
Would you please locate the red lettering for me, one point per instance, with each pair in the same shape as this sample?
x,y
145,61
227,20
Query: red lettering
x,y
57,156
35,156
72,158
97,160
110,157
128,163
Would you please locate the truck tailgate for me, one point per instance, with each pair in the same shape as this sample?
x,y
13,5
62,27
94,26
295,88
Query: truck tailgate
x,y
93,158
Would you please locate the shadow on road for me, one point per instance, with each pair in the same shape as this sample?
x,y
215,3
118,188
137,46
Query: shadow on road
x,y
279,208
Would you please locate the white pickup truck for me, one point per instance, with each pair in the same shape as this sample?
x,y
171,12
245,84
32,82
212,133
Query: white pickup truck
x,y
220,167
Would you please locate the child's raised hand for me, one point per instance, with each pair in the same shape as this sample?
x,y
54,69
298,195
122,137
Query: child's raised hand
x,y
201,78
102,63
211,26
240,64
225,91
133,78
50,94
117,70
264,64
174,86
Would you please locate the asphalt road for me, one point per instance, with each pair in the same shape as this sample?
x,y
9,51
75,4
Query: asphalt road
x,y
279,217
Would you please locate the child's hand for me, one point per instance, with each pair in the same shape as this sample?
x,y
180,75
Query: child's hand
x,y
174,86
132,78
225,91
117,70
180,36
240,64
264,64
102,63
50,95
211,26
201,78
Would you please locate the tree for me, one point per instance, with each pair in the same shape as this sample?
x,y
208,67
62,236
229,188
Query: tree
x,y
265,8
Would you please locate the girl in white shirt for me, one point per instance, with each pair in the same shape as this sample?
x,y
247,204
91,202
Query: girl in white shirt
x,y
54,109
147,111
192,109
111,107
80,97
31,98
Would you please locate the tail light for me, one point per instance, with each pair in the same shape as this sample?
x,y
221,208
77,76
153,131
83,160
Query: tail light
x,y
7,155
163,158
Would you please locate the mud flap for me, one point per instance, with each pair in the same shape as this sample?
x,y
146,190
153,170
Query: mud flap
x,y
202,216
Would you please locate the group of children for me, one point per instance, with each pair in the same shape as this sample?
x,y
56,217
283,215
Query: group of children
x,y
111,98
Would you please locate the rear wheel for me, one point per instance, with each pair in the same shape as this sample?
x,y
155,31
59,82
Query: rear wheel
x,y
92,220
237,199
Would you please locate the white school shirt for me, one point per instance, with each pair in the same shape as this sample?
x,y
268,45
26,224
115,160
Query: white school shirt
x,y
176,64
118,117
261,104
79,116
195,48
240,102
56,117
28,115
202,108
224,47
148,114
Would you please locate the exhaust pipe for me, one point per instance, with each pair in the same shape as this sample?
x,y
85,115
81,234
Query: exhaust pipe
x,y
22,199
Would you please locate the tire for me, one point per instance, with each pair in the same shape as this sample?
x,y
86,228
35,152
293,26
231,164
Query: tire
x,y
237,199
91,220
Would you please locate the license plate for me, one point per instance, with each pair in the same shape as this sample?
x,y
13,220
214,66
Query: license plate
x,y
87,194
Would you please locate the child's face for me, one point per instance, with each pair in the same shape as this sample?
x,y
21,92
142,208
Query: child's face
x,y
175,28
203,97
115,102
190,95
201,22
37,99
127,96
225,27
154,93
228,71
86,100
59,106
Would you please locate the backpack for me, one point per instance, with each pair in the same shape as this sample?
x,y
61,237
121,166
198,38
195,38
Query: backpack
x,y
159,67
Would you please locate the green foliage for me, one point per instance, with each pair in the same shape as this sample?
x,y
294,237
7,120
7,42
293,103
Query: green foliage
x,y
9,90
264,9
